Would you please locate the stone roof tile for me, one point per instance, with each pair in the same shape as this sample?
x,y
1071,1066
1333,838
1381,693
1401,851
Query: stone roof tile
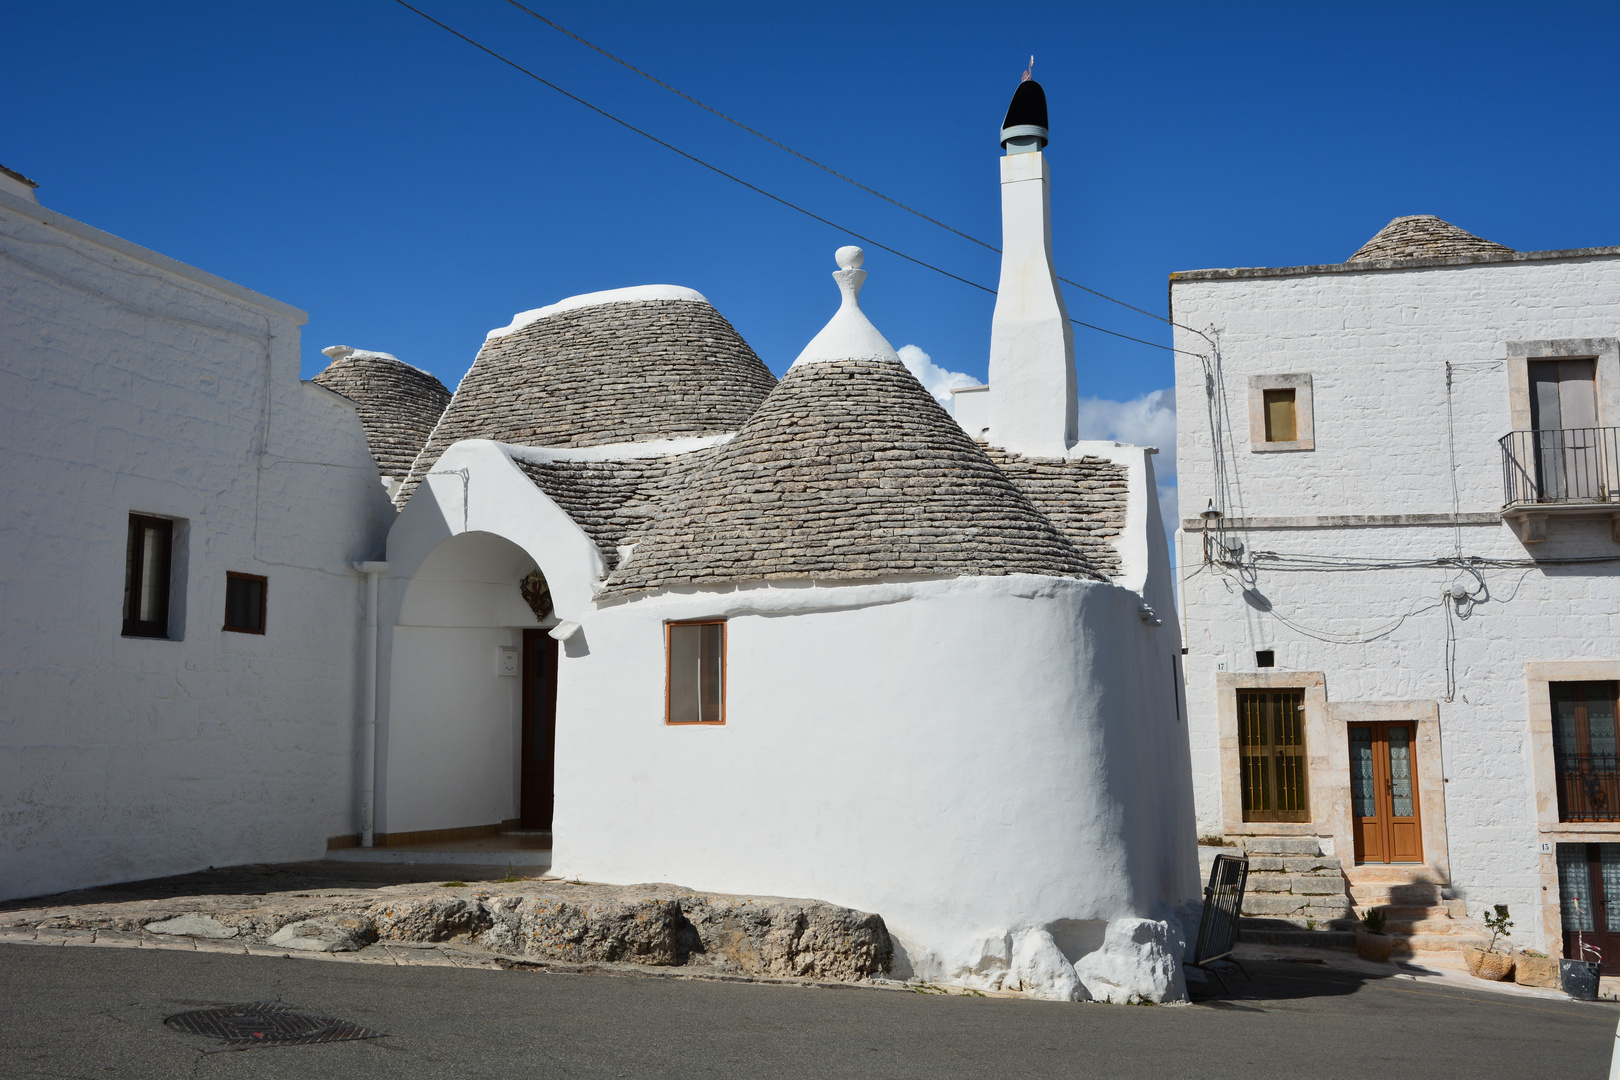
x,y
849,470
398,404
1424,236
627,371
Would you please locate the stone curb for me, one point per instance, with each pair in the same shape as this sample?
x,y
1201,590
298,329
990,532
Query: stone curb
x,y
433,955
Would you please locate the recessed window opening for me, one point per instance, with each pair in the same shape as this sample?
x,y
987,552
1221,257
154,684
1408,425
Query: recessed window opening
x,y
1586,750
244,603
1271,741
1265,658
1281,422
146,576
696,675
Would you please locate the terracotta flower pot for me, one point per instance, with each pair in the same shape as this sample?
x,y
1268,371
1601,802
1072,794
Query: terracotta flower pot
x,y
1536,970
1494,966
1371,946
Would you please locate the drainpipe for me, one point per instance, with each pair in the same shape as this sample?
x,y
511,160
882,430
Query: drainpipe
x,y
368,738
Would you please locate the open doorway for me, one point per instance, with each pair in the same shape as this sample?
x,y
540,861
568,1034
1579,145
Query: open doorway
x,y
538,774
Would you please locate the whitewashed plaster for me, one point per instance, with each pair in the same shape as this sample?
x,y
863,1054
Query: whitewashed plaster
x,y
1033,407
981,761
130,382
1376,345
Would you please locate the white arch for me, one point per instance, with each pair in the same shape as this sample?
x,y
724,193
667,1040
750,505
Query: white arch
x,y
476,487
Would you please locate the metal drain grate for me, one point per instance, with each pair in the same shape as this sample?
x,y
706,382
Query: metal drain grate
x,y
266,1023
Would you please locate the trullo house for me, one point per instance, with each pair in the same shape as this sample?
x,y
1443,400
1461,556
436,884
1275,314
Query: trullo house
x,y
808,637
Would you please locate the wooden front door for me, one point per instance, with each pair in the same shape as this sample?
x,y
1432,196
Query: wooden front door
x,y
1589,902
539,768
1383,793
1271,749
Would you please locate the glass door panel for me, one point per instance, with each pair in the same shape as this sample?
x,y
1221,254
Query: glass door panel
x,y
1383,793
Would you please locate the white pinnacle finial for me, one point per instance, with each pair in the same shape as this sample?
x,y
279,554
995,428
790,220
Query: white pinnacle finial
x,y
1029,72
849,335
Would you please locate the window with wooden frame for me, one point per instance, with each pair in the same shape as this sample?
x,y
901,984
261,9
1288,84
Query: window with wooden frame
x,y
1271,748
695,672
244,603
1585,755
146,576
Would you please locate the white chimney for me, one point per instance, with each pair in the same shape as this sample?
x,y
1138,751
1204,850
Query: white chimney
x,y
1033,404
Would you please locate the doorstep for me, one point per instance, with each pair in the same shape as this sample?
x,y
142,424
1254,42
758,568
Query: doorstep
x,y
525,849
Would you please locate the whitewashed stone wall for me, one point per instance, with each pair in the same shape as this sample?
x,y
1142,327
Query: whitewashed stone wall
x,y
983,761
133,383
1376,344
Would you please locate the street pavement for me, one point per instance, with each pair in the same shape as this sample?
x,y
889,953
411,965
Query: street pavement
x,y
98,1013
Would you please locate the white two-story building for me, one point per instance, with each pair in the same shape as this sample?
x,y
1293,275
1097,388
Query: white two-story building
x,y
1399,571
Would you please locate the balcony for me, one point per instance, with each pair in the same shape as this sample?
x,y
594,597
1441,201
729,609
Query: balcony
x,y
1588,787
1561,472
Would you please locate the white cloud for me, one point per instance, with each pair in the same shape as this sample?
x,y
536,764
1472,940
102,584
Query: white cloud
x,y
935,379
1149,420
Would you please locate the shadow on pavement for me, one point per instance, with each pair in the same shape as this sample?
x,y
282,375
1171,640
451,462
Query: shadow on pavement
x,y
1283,980
264,879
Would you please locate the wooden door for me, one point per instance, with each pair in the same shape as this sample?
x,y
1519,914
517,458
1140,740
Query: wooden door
x,y
1563,412
539,767
1589,902
1383,793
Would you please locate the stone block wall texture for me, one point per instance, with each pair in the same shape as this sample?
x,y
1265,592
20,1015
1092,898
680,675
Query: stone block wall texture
x,y
398,405
128,384
1376,344
848,470
630,371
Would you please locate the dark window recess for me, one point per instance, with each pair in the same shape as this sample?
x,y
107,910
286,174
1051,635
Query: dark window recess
x,y
1271,748
146,576
1585,755
1265,658
244,603
697,673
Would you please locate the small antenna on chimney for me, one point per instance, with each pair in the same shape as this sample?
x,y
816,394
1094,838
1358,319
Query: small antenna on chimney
x,y
1029,72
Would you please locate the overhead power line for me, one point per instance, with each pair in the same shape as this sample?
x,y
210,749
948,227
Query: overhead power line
x,y
752,187
828,168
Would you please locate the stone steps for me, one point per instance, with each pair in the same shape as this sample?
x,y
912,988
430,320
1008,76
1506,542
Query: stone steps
x,y
1399,893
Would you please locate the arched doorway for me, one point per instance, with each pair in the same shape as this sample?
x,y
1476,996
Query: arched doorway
x,y
473,676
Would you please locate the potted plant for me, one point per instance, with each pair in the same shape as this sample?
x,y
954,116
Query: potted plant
x,y
1371,941
1532,968
1488,963
1579,977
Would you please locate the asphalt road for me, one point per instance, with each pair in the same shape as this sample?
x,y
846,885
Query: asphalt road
x,y
98,1013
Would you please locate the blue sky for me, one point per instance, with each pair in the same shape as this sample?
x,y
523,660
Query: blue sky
x,y
411,193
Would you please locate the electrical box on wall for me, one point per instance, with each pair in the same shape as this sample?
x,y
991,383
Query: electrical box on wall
x,y
506,661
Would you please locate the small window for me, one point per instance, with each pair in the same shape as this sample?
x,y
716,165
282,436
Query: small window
x,y
244,603
1265,658
696,676
1282,417
1280,420
146,576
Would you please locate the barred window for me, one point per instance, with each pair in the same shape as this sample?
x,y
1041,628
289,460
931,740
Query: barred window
x,y
1271,742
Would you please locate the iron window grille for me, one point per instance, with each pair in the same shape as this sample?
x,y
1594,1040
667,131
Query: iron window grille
x,y
1271,747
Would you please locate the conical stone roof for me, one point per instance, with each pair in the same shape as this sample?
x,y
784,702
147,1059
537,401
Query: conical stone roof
x,y
633,365
398,404
1424,236
849,470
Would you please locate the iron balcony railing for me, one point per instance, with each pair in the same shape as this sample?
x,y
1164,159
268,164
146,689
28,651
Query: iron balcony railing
x,y
1588,787
1561,465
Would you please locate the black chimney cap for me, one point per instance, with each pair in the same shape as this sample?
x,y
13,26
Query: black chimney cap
x,y
1026,116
